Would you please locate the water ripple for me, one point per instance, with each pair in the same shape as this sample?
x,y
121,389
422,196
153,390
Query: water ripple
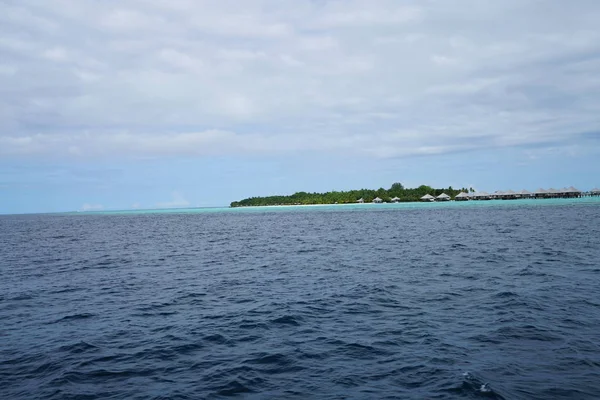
x,y
390,304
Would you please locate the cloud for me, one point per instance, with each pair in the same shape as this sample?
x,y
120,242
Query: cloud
x,y
55,54
9,70
92,207
127,79
177,201
443,60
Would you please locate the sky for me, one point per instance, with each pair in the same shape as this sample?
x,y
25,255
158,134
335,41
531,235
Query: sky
x,y
124,104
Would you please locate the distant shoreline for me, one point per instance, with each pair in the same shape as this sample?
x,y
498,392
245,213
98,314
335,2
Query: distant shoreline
x,y
397,193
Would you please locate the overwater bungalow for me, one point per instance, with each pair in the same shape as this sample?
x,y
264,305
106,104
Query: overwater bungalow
x,y
462,196
497,195
595,192
510,195
377,200
443,197
482,196
574,192
395,200
553,193
524,194
570,192
428,197
361,200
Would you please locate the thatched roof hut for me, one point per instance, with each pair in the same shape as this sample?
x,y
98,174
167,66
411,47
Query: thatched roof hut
x,y
553,192
361,200
572,192
377,200
481,196
395,199
462,196
524,193
428,197
443,197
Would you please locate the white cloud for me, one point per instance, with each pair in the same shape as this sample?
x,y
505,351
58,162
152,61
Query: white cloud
x,y
383,79
443,60
181,60
55,54
8,70
177,201
92,207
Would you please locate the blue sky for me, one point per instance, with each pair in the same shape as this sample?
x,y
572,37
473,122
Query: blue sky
x,y
148,103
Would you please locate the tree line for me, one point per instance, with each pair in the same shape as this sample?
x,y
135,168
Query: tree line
x,y
351,196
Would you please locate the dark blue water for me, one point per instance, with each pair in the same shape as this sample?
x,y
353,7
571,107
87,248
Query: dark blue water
x,y
494,303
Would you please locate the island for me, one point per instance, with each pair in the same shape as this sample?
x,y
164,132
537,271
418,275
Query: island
x,y
396,193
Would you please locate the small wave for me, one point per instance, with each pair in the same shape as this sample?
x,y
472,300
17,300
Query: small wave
x,y
107,359
249,338
503,295
155,354
527,332
22,297
473,386
154,306
156,314
102,375
269,359
188,348
252,325
287,320
79,347
361,351
46,368
528,271
233,388
217,339
194,295
66,290
75,317
273,364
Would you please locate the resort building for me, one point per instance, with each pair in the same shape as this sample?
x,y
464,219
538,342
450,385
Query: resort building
x,y
428,197
443,197
524,194
573,192
564,193
462,196
481,196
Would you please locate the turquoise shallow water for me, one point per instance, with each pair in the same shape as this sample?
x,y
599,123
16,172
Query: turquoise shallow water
x,y
363,207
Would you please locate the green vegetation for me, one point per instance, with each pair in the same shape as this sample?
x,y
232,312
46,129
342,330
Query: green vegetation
x,y
304,198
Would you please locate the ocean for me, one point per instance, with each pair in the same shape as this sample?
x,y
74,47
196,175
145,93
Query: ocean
x,y
483,300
